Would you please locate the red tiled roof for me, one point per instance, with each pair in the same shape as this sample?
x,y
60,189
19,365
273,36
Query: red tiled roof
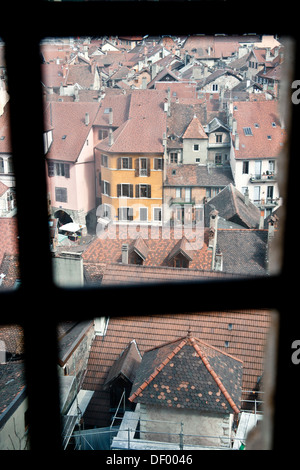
x,y
68,119
263,114
195,130
117,273
107,248
8,236
143,130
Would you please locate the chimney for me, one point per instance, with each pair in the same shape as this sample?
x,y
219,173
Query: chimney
x,y
212,236
110,117
271,228
262,219
234,126
169,102
110,137
246,194
87,119
213,225
125,247
219,260
237,142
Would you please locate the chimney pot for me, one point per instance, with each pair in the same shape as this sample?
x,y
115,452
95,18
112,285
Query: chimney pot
x,y
87,119
262,219
125,247
110,137
237,142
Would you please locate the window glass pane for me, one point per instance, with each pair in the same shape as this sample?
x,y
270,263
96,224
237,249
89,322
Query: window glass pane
x,y
177,408
14,429
190,219
113,112
9,247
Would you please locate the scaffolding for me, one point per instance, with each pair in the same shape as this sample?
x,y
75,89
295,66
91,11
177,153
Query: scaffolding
x,y
128,435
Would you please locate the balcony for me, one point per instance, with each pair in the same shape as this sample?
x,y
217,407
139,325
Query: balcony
x,y
263,178
181,201
266,203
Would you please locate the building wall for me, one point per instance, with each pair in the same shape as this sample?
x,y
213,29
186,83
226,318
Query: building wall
x,y
242,180
195,156
225,81
216,148
80,185
115,176
197,424
13,435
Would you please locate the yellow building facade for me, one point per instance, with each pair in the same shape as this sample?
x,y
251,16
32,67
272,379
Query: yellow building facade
x,y
130,186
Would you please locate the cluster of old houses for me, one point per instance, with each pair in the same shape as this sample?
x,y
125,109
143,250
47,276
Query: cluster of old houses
x,y
164,153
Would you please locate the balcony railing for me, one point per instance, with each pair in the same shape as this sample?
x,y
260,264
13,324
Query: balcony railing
x,y
266,203
181,200
263,178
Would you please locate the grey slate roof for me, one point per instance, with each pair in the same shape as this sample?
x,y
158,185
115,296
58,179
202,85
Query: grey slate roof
x,y
244,251
188,373
230,203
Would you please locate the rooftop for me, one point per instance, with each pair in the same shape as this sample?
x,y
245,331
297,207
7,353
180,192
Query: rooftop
x,y
266,139
241,334
186,373
231,205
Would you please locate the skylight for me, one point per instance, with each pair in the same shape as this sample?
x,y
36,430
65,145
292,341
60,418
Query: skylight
x,y
247,130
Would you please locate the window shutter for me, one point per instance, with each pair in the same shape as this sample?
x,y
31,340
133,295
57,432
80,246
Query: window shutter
x,y
50,169
102,186
149,190
137,190
130,213
118,190
119,163
137,166
131,190
155,163
130,163
148,166
108,188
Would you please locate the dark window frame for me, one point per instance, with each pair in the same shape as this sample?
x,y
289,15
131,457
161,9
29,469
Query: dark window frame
x,y
36,271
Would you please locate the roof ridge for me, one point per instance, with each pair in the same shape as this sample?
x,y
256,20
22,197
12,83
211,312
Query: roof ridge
x,y
213,374
232,189
160,367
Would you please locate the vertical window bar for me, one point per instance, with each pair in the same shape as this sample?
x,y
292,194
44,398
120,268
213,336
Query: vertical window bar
x,y
35,261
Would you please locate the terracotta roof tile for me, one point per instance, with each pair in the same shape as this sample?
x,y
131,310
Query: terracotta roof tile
x,y
68,119
107,247
266,140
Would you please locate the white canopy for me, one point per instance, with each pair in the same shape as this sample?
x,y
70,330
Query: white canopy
x,y
71,227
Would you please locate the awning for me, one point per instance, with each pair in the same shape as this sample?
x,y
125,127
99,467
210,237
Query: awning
x,y
71,227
